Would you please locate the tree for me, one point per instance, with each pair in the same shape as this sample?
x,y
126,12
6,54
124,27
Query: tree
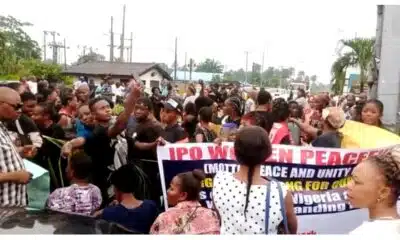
x,y
183,68
256,74
301,73
216,78
361,51
313,78
91,57
338,71
210,66
15,45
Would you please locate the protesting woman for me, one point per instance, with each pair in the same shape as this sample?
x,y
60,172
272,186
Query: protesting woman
x,y
375,185
242,199
186,216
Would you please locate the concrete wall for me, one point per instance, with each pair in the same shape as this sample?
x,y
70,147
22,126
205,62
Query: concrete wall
x,y
153,78
389,71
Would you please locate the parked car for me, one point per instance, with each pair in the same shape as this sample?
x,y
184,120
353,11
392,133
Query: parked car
x,y
22,221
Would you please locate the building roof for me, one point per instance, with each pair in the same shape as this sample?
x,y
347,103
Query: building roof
x,y
114,69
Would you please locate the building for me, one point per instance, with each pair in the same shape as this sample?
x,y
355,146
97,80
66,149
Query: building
x,y
196,76
388,52
184,78
151,74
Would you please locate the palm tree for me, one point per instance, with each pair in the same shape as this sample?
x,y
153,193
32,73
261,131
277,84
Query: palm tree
x,y
360,55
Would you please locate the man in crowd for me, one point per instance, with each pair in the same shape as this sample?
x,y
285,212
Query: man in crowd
x,y
13,176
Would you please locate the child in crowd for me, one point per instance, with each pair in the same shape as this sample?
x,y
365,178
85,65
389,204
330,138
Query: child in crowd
x,y
131,213
84,124
81,197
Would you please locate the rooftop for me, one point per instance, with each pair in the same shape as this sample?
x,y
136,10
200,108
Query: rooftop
x,y
114,68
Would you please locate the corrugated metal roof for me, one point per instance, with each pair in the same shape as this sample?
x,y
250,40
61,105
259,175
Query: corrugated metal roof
x,y
106,68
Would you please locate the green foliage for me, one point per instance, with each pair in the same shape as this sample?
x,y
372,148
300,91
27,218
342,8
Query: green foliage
x,y
210,66
15,45
118,109
360,55
68,80
20,55
32,67
216,78
91,57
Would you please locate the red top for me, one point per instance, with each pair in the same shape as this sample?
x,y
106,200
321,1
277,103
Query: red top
x,y
278,132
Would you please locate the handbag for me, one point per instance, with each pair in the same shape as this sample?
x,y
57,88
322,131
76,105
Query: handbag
x,y
281,202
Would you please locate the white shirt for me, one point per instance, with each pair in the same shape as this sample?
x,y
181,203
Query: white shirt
x,y
118,91
385,227
77,84
301,101
32,86
229,196
189,99
250,106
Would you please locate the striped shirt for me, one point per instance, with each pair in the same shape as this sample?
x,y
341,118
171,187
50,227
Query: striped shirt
x,y
11,194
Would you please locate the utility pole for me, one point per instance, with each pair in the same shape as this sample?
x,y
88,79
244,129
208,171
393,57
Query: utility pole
x,y
247,63
44,45
65,54
112,40
262,69
54,48
121,54
130,48
54,44
176,57
191,63
83,49
185,66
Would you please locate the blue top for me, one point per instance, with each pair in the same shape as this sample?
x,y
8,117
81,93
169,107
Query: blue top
x,y
83,130
137,219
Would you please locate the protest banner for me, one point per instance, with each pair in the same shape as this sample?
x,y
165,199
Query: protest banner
x,y
317,178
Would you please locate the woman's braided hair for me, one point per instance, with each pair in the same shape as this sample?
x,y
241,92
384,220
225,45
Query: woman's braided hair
x,y
389,165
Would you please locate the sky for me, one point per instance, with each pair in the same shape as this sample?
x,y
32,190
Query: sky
x,y
302,34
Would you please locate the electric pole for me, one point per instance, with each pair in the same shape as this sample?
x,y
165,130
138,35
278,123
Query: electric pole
x,y
130,49
54,44
44,45
83,49
121,54
191,65
247,63
112,40
185,66
54,48
65,54
176,57
262,68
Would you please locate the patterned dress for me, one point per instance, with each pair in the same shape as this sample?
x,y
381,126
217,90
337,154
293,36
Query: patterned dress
x,y
75,199
186,218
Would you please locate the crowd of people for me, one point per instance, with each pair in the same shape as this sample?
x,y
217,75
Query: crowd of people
x,y
75,135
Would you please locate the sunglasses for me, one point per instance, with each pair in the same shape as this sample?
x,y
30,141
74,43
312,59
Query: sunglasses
x,y
16,107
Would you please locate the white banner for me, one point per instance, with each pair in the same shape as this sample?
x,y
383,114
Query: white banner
x,y
317,178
